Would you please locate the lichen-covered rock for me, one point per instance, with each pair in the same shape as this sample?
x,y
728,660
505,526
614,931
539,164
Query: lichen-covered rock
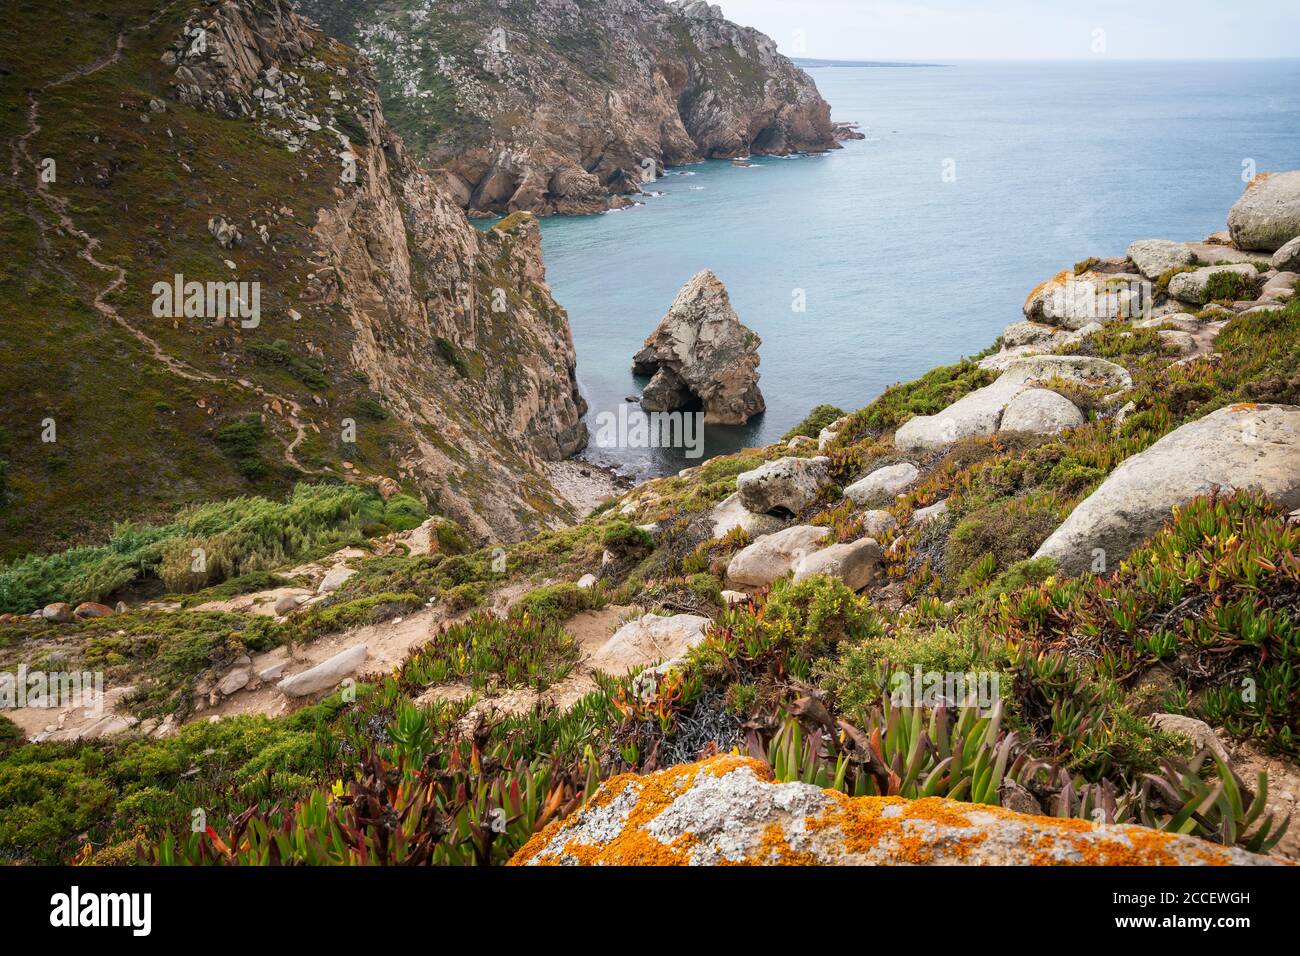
x,y
1195,286
700,350
1073,301
1240,447
784,487
774,555
728,810
1267,216
1154,257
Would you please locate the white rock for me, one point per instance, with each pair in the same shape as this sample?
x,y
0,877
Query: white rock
x,y
1041,412
883,484
1194,286
1267,216
335,579
922,515
1154,257
650,639
1198,732
773,555
326,674
1287,258
236,680
587,582
877,523
730,513
1238,447
733,598
856,563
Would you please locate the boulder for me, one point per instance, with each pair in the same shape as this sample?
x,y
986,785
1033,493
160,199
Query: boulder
x,y
1041,412
326,674
773,556
1154,257
922,515
334,579
88,610
1280,288
288,603
728,809
1195,286
876,523
587,581
1181,341
1287,258
980,412
701,351
783,487
648,640
1028,333
733,598
1267,216
58,613
236,680
856,563
1073,301
730,513
883,484
1238,447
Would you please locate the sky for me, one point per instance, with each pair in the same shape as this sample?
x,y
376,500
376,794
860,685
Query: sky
x,y
943,30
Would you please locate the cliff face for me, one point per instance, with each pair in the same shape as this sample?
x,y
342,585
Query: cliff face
x,y
235,141
557,106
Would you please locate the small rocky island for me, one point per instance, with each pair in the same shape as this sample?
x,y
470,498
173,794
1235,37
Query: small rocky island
x,y
700,352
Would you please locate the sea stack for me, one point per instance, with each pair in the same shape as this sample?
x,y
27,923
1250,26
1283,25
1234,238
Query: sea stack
x,y
700,352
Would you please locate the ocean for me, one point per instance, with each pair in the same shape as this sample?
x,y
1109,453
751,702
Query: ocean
x,y
916,246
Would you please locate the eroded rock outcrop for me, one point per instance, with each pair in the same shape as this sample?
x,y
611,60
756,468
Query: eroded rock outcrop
x,y
701,353
455,330
557,107
728,810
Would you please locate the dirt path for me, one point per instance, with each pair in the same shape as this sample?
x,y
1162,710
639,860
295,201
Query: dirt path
x,y
57,206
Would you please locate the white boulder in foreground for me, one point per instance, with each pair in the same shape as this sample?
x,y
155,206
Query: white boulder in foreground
x,y
728,810
326,674
1240,447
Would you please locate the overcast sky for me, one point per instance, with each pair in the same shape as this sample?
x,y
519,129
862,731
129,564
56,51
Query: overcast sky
x,y
1024,29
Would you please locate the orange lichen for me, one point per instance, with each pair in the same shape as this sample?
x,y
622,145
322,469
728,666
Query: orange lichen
x,y
1060,277
881,829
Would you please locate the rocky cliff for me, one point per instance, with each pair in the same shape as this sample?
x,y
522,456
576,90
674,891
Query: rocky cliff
x,y
369,330
556,106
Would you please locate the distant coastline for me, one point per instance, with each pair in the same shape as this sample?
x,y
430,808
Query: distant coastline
x,y
811,63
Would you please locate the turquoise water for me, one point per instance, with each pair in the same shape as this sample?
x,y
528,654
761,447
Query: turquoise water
x,y
903,271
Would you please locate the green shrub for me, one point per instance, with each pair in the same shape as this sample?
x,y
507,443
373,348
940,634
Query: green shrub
x,y
817,419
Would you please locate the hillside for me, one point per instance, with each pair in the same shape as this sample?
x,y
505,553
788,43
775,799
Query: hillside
x,y
234,142
557,106
1080,550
